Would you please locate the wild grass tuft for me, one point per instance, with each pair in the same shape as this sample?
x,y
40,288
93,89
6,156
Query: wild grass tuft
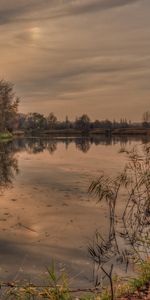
x,y
5,136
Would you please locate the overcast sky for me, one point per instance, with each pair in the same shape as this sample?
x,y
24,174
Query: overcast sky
x,y
78,56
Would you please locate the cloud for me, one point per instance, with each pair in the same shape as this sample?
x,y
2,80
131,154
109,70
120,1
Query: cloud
x,y
80,7
50,9
84,75
12,11
71,51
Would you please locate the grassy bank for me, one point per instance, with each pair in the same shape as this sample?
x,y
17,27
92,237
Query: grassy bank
x,y
5,136
57,288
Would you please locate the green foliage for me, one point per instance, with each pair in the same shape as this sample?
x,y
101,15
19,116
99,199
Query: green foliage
x,y
5,136
58,287
58,283
143,278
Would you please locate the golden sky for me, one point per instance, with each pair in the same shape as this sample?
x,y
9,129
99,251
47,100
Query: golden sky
x,y
78,56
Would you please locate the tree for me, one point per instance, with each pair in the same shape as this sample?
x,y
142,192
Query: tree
x,y
83,123
21,121
51,121
35,121
146,119
8,105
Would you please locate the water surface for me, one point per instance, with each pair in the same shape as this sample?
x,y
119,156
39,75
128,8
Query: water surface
x,y
46,213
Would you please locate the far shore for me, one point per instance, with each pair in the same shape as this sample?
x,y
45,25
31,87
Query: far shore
x,y
73,132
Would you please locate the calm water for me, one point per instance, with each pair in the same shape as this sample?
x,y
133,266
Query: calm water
x,y
46,213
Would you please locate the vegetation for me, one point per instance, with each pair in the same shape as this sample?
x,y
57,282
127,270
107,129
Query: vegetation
x,y
146,119
36,121
57,288
11,120
8,106
129,237
5,136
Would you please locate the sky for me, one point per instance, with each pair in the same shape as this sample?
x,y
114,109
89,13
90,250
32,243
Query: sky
x,y
78,56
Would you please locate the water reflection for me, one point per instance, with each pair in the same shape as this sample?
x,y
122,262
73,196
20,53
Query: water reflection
x,y
8,165
84,144
49,200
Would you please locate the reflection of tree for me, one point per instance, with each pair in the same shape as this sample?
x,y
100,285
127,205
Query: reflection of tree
x,y
52,146
128,237
35,145
83,145
8,165
41,144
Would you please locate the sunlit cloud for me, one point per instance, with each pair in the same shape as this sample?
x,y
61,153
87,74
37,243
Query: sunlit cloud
x,y
65,55
35,32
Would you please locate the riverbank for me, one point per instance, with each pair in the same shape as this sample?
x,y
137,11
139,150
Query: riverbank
x,y
74,132
140,294
137,288
57,288
4,136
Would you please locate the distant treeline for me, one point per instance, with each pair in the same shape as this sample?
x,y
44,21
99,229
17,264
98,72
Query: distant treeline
x,y
37,121
11,120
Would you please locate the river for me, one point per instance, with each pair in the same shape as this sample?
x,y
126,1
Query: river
x,y
46,212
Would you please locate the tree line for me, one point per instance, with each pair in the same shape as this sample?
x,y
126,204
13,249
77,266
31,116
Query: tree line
x,y
37,121
11,119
